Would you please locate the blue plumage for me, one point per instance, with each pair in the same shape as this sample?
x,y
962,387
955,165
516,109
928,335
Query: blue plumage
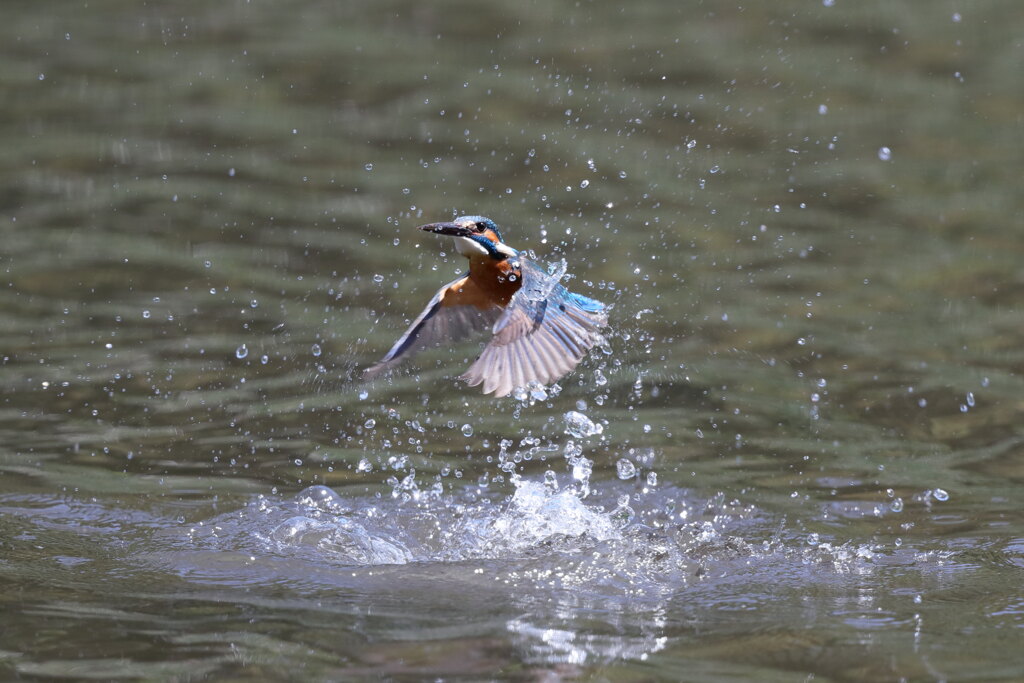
x,y
539,330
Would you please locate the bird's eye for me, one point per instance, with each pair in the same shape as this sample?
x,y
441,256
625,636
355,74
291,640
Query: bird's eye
x,y
480,227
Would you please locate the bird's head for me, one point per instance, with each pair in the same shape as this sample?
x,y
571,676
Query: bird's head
x,y
475,237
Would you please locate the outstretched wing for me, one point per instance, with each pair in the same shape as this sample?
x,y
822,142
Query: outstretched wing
x,y
439,323
543,334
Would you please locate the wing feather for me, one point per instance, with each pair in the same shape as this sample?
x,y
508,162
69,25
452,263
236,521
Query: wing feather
x,y
543,334
537,361
554,362
439,323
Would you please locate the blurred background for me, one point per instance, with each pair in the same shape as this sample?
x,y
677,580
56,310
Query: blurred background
x,y
803,427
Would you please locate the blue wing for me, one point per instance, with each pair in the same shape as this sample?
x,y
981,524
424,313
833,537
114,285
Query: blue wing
x,y
545,331
436,325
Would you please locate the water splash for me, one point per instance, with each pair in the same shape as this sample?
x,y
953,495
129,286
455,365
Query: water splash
x,y
539,285
542,536
318,522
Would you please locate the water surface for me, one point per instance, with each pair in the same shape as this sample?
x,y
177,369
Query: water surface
x,y
798,452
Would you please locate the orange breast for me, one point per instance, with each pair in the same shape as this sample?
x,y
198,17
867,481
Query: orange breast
x,y
489,284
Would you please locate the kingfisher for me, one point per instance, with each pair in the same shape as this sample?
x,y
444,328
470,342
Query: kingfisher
x,y
539,330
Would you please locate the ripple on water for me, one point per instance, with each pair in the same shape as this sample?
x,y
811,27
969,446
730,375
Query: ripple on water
x,y
536,564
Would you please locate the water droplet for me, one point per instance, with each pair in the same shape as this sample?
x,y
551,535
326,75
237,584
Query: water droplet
x,y
622,174
896,505
467,430
970,398
941,495
822,109
652,478
884,153
364,466
584,184
579,425
582,469
363,395
370,423
241,352
538,392
316,350
625,469
377,277
146,315
368,167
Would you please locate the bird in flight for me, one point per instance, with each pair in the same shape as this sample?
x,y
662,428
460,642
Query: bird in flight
x,y
539,330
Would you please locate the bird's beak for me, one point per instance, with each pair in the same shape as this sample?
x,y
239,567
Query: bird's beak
x,y
453,229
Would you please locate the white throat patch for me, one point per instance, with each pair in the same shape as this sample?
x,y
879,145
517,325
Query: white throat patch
x,y
468,247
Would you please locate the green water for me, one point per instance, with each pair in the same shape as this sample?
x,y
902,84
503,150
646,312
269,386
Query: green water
x,y
807,219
